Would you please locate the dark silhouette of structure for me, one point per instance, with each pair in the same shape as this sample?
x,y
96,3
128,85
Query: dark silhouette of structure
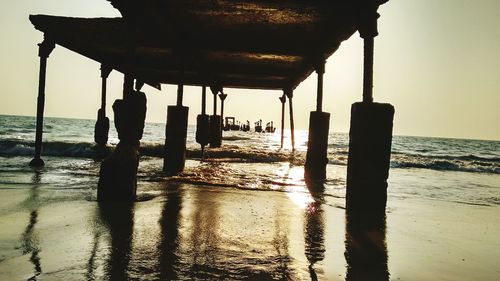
x,y
365,248
266,44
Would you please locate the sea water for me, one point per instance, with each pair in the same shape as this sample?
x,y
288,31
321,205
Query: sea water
x,y
245,153
249,167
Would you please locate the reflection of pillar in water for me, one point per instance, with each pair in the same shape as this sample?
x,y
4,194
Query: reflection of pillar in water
x,y
91,266
365,248
204,238
281,245
30,243
169,242
314,229
119,220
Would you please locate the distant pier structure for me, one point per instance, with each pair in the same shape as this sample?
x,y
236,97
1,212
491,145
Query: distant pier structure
x,y
265,44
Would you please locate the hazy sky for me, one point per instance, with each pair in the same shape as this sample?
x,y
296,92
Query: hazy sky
x,y
437,62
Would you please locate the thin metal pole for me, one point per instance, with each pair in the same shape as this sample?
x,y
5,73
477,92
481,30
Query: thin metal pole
x,y
203,112
319,97
215,102
104,76
40,107
44,50
180,94
289,94
368,70
283,100
103,96
222,113
203,100
222,97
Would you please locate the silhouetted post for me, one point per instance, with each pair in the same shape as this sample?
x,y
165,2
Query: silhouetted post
x,y
370,136
202,123
215,91
101,128
44,50
366,247
215,122
118,174
289,94
319,125
222,97
283,100
176,134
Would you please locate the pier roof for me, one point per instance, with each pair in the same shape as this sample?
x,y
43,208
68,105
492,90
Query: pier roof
x,y
260,44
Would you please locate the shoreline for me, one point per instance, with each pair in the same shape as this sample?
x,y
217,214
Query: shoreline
x,y
211,232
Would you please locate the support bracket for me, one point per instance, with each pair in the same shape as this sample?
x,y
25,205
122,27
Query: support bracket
x,y
105,71
222,96
45,48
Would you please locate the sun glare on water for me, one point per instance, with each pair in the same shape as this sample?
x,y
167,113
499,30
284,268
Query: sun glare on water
x,y
297,190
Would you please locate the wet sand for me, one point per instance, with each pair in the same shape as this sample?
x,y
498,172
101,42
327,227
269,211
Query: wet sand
x,y
198,232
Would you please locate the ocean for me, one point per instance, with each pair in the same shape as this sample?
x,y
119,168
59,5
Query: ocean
x,y
243,213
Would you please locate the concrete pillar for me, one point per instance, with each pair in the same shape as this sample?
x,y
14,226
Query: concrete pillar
x,y
289,94
44,50
118,174
317,146
176,134
101,128
215,131
202,123
370,137
365,248
282,100
215,138
319,126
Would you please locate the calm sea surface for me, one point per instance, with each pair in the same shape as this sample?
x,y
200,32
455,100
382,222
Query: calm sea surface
x,y
449,171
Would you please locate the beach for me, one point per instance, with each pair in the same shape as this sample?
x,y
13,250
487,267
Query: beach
x,y
246,213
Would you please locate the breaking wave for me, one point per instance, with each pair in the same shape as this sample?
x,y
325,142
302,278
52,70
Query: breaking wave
x,y
244,154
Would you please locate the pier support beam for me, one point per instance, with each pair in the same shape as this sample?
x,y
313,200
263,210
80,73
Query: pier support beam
x,y
118,174
176,134
215,122
282,100
44,50
289,94
202,123
370,137
101,128
222,97
319,125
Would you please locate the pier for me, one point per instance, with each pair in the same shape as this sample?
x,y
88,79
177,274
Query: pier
x,y
264,45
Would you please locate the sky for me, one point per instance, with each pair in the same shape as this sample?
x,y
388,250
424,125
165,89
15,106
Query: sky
x,y
437,62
